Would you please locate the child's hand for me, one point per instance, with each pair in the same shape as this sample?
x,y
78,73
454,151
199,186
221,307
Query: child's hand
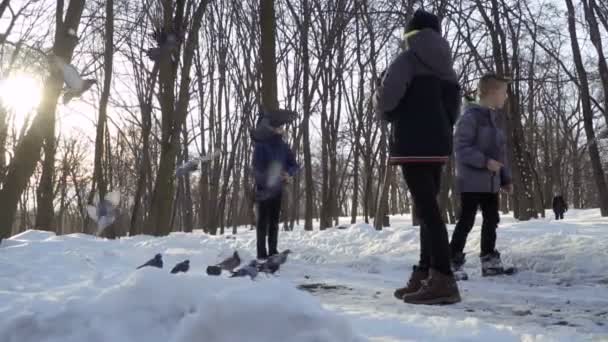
x,y
494,165
286,177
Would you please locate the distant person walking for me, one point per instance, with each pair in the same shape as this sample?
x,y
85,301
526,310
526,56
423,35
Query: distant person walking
x,y
559,206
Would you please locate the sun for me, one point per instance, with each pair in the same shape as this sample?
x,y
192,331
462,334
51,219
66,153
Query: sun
x,y
20,93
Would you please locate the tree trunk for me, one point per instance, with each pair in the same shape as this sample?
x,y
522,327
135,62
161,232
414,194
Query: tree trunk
x,y
174,112
27,152
306,101
267,51
99,183
596,163
596,39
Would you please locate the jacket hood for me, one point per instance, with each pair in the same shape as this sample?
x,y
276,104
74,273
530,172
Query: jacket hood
x,y
433,53
264,132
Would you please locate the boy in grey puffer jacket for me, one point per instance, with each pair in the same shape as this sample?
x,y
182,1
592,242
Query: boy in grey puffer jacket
x,y
481,172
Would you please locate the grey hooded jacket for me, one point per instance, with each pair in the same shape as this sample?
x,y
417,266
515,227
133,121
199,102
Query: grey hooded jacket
x,y
478,139
420,97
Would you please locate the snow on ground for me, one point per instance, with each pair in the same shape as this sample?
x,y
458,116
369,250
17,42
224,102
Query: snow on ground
x,y
80,288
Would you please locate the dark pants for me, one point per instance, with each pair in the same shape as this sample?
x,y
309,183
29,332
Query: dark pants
x,y
470,202
559,214
268,213
424,182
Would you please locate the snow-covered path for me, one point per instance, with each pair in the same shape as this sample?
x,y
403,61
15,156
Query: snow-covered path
x,y
77,287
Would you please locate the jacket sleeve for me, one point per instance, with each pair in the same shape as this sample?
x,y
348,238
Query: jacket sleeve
x,y
464,143
506,177
291,164
392,87
452,100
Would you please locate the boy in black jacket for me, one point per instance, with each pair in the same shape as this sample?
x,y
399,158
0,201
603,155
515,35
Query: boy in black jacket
x,y
420,97
273,165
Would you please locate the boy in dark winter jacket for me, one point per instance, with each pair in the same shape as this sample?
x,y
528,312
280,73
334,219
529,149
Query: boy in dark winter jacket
x,y
273,164
559,206
419,96
481,172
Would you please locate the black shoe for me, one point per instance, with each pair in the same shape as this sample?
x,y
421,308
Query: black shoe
x,y
458,261
263,256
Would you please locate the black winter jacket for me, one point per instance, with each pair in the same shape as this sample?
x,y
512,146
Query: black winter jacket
x,y
419,95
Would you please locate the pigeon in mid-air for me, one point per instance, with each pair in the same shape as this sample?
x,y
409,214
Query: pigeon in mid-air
x,y
157,261
75,84
183,266
164,41
251,270
194,164
105,211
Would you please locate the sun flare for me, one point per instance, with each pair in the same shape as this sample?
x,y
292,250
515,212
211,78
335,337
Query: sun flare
x,y
20,93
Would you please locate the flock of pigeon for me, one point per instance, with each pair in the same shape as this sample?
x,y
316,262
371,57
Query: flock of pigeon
x,y
105,211
76,85
251,270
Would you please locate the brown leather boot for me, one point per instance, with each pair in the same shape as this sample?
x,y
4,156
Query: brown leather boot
x,y
437,289
414,284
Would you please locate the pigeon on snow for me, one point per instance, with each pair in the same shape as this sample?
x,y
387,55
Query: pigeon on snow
x,y
157,261
231,263
274,262
183,266
280,258
251,270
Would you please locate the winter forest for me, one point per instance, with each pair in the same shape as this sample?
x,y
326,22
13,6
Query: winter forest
x,y
149,113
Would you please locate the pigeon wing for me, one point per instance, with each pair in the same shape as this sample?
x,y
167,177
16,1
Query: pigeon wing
x,y
72,77
92,211
113,197
210,156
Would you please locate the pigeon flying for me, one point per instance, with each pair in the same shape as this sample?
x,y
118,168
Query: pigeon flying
x,y
164,41
250,270
105,211
75,84
183,266
193,165
157,261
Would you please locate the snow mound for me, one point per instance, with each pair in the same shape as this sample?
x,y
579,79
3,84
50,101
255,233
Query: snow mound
x,y
33,235
151,305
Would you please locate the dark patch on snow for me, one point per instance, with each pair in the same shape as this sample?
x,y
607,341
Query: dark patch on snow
x,y
318,287
522,312
565,324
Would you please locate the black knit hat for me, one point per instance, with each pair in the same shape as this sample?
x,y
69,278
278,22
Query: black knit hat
x,y
279,117
422,20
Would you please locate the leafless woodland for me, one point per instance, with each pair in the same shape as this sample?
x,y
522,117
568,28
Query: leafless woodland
x,y
317,57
